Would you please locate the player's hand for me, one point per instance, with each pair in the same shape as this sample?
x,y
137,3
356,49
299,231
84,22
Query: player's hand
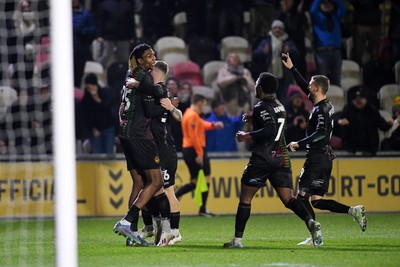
x,y
218,125
390,121
199,160
132,83
166,103
246,117
286,60
343,122
175,101
293,146
242,136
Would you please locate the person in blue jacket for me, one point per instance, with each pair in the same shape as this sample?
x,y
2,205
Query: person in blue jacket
x,y
223,140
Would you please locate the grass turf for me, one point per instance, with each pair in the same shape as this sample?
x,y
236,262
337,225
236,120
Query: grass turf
x,y
270,240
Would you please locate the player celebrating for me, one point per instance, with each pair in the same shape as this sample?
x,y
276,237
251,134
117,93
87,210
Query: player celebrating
x,y
139,148
269,160
161,129
316,172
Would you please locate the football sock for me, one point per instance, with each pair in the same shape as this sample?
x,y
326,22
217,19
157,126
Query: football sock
x,y
174,218
133,217
152,207
185,189
307,204
242,215
331,205
163,205
204,196
299,209
147,219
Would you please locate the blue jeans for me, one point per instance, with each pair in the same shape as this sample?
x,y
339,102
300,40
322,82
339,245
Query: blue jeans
x,y
329,63
103,144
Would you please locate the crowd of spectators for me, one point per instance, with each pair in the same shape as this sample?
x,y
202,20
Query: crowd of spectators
x,y
315,33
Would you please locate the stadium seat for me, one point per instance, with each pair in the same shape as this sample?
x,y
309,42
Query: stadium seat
x,y
179,22
387,116
210,71
351,74
187,71
349,82
238,45
336,95
387,94
96,68
170,44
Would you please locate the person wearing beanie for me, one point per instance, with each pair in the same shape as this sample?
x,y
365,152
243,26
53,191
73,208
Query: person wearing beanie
x,y
316,171
98,118
267,56
269,160
360,123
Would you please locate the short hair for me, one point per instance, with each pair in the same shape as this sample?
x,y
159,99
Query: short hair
x,y
139,50
268,82
162,66
196,98
216,103
321,81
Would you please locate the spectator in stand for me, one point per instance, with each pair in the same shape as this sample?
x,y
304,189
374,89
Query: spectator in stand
x,y
41,123
297,118
267,56
236,85
185,93
230,17
367,29
296,26
262,13
325,18
116,29
392,140
84,32
394,30
27,34
173,86
360,122
223,140
154,13
98,116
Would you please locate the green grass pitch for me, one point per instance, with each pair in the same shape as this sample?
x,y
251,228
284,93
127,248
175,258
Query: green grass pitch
x,y
270,240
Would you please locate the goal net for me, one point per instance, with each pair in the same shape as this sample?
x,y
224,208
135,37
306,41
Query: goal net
x,y
29,161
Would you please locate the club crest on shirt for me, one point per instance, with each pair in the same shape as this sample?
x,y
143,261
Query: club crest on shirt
x,y
157,159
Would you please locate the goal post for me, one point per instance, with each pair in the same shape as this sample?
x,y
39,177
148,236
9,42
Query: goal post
x,y
64,132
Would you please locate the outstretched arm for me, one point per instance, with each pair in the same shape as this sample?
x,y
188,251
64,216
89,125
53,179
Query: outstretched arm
x,y
287,62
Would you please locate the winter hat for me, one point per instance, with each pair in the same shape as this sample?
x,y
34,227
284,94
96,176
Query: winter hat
x,y
277,23
91,78
294,94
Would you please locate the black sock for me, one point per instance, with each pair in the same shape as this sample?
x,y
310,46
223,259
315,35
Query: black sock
x,y
133,217
163,205
300,210
185,189
307,204
242,215
174,219
152,207
204,197
147,219
331,205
